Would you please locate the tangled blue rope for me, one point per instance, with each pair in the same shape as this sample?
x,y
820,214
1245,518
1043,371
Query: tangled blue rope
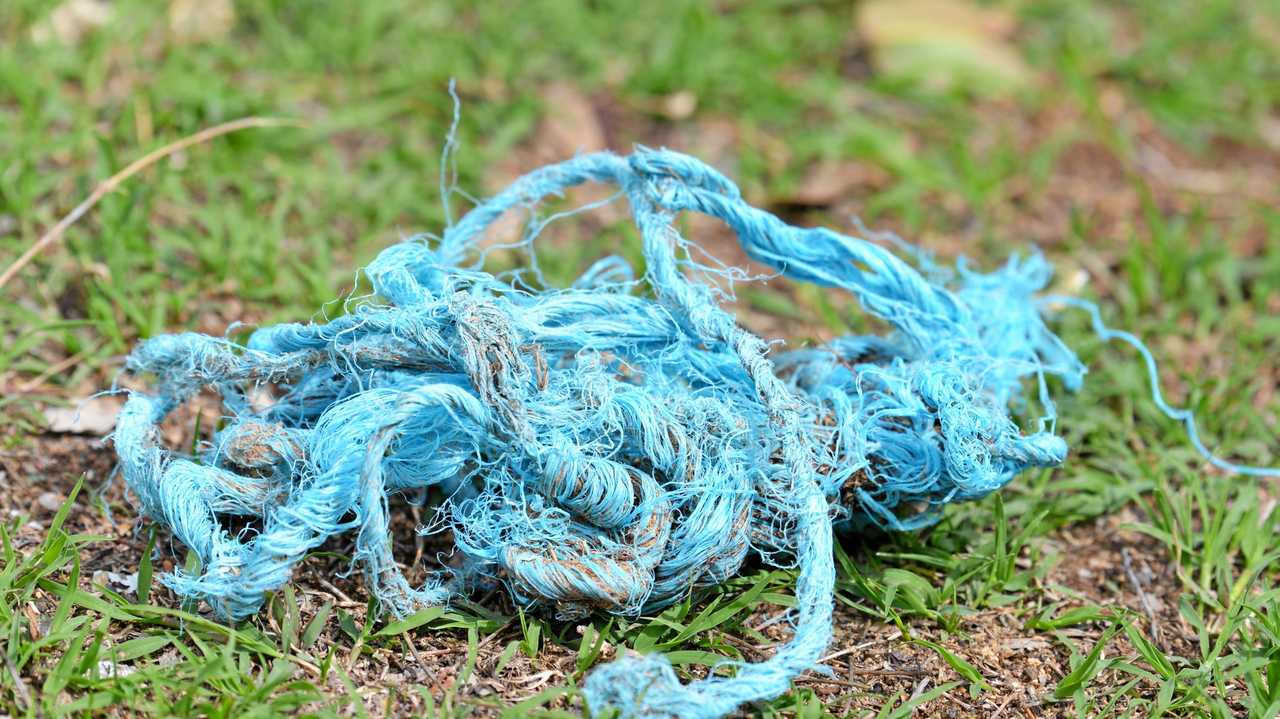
x,y
605,447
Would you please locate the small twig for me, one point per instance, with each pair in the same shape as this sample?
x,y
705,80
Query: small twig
x,y
888,673
21,690
312,669
534,682
896,673
436,652
832,682
486,642
541,678
1004,705
412,648
849,650
1143,598
346,601
52,370
111,183
914,673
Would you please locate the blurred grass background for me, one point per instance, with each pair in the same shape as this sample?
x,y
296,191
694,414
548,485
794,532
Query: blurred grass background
x,y
278,219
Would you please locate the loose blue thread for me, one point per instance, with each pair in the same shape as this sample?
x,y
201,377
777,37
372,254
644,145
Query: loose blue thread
x,y
613,445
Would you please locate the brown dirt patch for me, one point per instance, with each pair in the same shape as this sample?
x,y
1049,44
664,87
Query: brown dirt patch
x,y
1097,562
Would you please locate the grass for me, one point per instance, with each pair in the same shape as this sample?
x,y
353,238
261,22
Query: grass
x,y
267,225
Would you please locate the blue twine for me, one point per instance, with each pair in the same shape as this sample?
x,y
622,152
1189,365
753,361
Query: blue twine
x,y
611,445
1179,414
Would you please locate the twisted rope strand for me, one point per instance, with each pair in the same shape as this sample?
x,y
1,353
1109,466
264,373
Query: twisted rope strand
x,y
594,448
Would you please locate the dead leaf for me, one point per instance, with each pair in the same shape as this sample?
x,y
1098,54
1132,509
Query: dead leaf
x,y
96,415
196,21
114,580
570,124
718,141
108,669
72,21
828,183
944,44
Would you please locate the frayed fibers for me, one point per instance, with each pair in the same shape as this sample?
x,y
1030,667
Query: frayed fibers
x,y
608,446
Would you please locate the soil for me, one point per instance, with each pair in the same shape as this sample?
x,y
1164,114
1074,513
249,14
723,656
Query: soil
x,y
1098,563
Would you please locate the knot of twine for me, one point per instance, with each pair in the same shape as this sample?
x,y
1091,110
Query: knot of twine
x,y
604,447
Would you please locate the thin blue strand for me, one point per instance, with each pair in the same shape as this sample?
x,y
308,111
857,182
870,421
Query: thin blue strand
x,y
1179,414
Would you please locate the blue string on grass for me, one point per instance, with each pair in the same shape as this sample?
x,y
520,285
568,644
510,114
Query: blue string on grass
x,y
612,445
